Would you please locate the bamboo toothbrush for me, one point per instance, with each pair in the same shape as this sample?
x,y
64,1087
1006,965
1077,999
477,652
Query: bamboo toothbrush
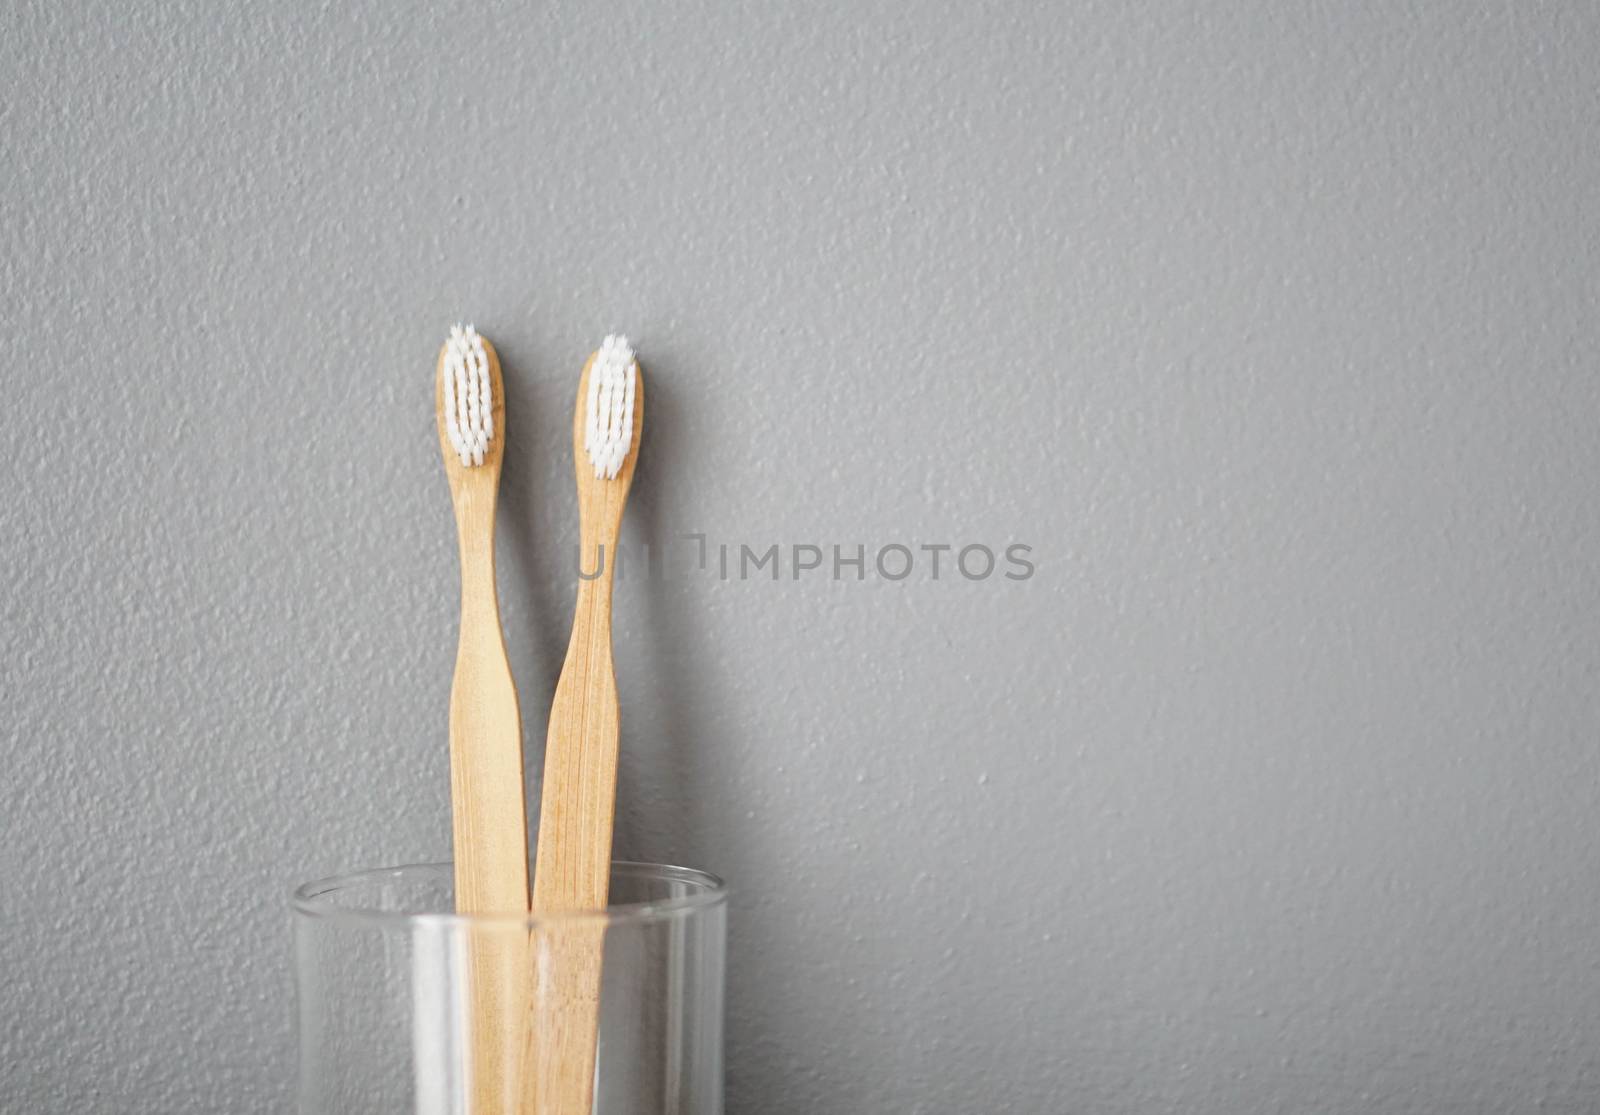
x,y
573,862
486,791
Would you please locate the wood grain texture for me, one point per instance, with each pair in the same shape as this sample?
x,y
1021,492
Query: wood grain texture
x,y
567,960
488,807
578,806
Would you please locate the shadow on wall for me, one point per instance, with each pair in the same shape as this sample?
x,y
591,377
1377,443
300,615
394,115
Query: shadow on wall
x,y
529,524
665,815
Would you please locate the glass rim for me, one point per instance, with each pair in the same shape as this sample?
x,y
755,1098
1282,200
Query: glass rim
x,y
308,900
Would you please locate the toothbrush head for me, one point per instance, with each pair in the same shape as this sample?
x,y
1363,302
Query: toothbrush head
x,y
609,407
467,401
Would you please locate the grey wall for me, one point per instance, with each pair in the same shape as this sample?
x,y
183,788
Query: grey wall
x,y
1270,327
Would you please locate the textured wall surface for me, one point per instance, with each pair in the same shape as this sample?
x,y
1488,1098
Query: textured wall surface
x,y
1271,328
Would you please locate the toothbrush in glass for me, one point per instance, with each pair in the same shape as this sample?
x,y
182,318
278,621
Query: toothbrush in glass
x,y
488,814
572,870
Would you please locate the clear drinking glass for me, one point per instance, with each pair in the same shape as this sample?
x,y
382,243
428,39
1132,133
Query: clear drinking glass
x,y
394,986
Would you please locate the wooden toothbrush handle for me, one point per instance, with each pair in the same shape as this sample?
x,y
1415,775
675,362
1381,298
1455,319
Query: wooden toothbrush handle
x,y
563,1034
573,870
490,821
491,874
578,805
490,826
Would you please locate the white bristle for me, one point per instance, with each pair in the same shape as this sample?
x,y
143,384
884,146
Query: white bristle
x,y
468,395
608,428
